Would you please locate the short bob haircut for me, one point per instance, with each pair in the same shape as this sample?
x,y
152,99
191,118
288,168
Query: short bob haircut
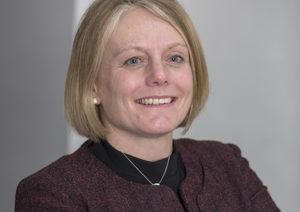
x,y
89,45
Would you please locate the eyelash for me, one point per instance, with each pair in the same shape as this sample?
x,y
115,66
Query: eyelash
x,y
136,60
128,62
176,56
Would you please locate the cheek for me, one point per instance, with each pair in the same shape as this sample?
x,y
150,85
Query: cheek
x,y
119,88
127,83
106,87
185,81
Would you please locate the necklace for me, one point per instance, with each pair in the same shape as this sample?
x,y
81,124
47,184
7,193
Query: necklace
x,y
162,177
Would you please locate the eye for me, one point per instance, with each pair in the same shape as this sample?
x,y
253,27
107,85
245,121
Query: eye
x,y
132,61
176,59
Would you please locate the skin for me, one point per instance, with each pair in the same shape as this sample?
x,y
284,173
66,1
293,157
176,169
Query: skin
x,y
145,57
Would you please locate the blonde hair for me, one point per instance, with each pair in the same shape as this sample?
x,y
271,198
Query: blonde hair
x,y
88,48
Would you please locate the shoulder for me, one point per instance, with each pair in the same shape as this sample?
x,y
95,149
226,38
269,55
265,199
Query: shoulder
x,y
59,185
207,147
61,175
222,157
223,164
65,166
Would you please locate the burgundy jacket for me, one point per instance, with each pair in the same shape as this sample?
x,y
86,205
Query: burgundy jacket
x,y
217,179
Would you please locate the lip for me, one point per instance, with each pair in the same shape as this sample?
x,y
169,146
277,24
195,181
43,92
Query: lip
x,y
157,97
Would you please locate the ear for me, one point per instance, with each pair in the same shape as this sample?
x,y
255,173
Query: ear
x,y
95,95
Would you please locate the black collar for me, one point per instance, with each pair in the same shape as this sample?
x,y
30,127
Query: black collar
x,y
116,161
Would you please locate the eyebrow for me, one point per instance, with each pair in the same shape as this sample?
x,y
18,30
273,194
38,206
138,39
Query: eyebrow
x,y
118,52
141,49
177,44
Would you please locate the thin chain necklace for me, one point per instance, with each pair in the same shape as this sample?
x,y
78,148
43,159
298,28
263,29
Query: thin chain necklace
x,y
162,177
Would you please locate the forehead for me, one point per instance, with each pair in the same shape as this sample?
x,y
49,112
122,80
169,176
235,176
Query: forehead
x,y
139,26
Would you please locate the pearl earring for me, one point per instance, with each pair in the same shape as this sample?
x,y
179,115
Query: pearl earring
x,y
95,101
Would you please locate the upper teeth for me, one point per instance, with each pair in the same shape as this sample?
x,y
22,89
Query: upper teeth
x,y
155,101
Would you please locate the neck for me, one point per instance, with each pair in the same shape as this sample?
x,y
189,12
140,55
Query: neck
x,y
145,148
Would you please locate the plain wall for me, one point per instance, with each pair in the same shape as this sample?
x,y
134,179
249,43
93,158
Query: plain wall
x,y
35,40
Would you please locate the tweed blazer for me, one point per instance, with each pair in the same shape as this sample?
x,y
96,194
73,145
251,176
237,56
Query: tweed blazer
x,y
217,179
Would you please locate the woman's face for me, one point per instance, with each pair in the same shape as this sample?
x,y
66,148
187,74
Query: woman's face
x,y
145,82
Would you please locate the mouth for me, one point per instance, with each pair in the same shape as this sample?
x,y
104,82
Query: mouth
x,y
156,101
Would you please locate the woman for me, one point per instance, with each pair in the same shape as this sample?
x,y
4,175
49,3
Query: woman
x,y
137,72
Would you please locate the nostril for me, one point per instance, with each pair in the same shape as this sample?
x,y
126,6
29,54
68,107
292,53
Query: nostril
x,y
157,81
157,74
162,82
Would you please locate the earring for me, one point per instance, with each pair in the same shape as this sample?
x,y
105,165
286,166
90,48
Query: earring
x,y
95,101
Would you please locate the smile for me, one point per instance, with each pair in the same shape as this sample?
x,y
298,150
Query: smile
x,y
155,101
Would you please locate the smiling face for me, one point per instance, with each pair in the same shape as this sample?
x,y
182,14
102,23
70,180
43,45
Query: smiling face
x,y
145,81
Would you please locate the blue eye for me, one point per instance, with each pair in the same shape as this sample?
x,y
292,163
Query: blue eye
x,y
176,59
132,61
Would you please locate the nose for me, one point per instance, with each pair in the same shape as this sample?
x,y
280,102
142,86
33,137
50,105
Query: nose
x,y
157,74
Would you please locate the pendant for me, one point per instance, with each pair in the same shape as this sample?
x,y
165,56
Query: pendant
x,y
156,184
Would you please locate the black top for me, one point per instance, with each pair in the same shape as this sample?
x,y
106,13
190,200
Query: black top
x,y
116,161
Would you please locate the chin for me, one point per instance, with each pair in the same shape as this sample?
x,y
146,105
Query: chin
x,y
157,132
159,127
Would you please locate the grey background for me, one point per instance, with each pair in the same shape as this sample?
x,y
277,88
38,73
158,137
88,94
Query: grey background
x,y
35,42
252,50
